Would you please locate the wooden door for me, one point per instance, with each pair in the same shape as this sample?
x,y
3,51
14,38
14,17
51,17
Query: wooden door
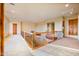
x,y
73,27
14,29
1,29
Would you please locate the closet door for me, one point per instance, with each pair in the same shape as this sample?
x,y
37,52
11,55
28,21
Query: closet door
x,y
73,27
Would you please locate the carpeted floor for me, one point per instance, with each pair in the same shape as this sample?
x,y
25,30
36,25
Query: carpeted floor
x,y
62,47
15,45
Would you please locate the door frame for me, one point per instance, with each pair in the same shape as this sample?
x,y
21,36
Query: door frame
x,y
63,25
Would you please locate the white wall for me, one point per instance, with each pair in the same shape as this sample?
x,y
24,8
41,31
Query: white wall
x,y
6,26
58,24
41,27
27,27
18,27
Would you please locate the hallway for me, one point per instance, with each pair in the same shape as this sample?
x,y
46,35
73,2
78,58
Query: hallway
x,y
15,45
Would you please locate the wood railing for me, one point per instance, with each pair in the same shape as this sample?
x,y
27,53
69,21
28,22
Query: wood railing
x,y
32,41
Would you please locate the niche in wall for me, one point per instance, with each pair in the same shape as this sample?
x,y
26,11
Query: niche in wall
x,y
73,26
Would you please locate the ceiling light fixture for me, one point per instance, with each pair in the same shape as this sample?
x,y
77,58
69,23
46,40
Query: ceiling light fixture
x,y
70,12
12,11
66,5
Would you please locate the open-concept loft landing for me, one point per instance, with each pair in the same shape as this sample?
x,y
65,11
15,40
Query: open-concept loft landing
x,y
39,29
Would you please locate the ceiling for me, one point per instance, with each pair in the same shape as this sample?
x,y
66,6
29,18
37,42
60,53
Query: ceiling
x,y
37,12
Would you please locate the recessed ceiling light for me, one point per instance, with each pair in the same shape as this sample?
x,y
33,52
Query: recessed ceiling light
x,y
70,12
66,5
12,11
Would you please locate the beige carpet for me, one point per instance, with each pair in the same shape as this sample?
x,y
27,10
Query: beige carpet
x,y
68,42
62,47
15,45
54,50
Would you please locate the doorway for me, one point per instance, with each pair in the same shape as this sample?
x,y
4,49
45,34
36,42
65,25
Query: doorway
x,y
14,28
51,27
